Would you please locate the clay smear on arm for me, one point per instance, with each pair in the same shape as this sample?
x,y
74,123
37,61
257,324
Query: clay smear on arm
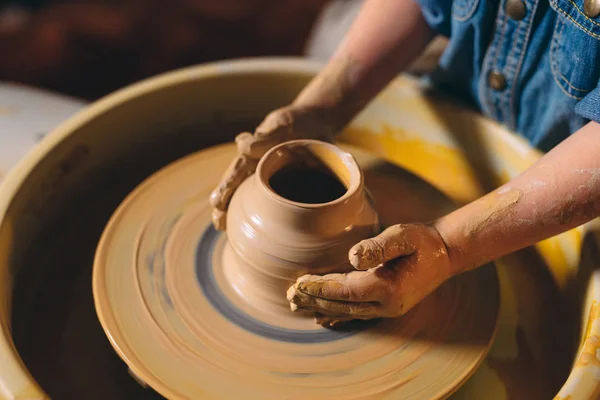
x,y
497,208
560,192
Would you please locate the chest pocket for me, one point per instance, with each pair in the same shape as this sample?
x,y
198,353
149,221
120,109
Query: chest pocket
x,y
575,48
462,10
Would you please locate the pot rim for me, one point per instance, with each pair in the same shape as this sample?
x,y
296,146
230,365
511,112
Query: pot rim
x,y
354,186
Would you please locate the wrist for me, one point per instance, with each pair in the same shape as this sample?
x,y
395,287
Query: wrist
x,y
333,91
447,236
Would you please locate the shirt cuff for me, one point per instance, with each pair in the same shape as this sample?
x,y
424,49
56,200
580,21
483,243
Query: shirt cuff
x,y
437,14
589,106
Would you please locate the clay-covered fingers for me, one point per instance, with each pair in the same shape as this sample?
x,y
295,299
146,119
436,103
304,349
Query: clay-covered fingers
x,y
393,242
357,295
353,287
240,168
279,126
219,219
330,308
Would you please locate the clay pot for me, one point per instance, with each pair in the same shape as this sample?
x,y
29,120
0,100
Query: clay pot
x,y
300,213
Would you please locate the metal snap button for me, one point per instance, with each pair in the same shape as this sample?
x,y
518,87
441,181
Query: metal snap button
x,y
496,80
591,8
516,9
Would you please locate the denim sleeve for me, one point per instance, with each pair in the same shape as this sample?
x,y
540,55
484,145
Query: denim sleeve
x,y
438,15
589,106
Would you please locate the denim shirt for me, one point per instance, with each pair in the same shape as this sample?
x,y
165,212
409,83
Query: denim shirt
x,y
536,70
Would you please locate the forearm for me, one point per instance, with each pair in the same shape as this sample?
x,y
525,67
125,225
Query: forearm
x,y
384,39
561,191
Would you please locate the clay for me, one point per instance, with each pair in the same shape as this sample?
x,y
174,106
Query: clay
x,y
492,210
277,239
165,296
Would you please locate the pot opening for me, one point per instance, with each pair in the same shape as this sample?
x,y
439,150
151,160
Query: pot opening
x,y
309,172
309,184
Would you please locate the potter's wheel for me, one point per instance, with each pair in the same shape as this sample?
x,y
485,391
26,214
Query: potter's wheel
x,y
172,315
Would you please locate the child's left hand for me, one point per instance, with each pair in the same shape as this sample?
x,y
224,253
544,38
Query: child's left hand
x,y
398,268
405,263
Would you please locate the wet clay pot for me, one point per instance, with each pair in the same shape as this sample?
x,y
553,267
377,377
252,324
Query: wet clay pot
x,y
300,213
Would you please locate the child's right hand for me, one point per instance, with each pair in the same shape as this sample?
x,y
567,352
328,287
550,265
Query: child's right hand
x,y
373,53
282,125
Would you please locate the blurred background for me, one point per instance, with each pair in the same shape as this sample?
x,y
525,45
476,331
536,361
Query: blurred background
x,y
89,48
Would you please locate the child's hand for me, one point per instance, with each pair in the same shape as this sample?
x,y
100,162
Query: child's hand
x,y
284,124
399,268
559,192
374,52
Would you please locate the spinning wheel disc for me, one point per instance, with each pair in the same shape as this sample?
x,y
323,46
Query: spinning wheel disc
x,y
176,318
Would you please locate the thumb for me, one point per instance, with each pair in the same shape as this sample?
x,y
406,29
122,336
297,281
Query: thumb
x,y
392,243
